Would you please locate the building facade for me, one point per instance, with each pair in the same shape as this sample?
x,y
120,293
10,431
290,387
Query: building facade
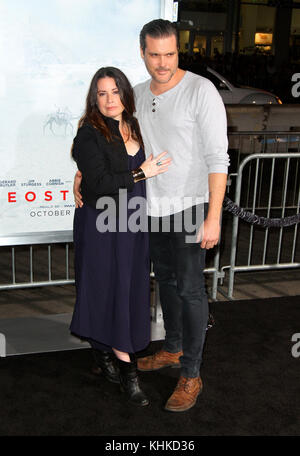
x,y
217,27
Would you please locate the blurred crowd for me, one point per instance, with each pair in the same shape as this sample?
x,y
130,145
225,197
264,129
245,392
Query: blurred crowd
x,y
256,70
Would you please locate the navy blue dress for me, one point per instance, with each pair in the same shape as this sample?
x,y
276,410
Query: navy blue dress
x,y
112,280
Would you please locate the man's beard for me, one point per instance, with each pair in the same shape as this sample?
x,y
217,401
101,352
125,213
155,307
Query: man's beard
x,y
162,79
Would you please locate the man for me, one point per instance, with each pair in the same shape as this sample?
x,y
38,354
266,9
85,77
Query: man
x,y
181,113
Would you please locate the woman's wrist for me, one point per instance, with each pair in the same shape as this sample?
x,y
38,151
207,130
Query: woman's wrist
x,y
138,175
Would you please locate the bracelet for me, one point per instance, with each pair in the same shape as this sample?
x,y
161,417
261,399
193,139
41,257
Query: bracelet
x,y
138,175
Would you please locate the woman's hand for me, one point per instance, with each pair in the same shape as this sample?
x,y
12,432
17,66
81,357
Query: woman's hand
x,y
76,189
153,166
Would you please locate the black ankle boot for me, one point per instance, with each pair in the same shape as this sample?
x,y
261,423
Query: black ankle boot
x,y
130,383
105,364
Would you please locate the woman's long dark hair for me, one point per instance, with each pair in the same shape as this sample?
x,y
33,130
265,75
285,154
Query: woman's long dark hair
x,y
92,114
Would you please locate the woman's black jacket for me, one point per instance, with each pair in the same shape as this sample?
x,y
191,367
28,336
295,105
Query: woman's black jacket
x,y
104,165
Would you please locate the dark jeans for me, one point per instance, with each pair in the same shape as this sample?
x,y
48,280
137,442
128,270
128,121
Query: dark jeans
x,y
178,268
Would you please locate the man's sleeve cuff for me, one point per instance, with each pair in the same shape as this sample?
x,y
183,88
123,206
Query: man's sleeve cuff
x,y
222,169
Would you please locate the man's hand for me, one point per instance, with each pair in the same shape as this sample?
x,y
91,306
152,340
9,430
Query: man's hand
x,y
76,189
209,233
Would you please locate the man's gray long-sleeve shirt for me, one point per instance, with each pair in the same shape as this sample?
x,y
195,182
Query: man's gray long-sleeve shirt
x,y
189,122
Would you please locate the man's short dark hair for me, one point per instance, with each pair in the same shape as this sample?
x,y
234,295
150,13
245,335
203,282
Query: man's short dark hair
x,y
159,28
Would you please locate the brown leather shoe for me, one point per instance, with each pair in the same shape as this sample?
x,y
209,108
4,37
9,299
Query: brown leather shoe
x,y
185,394
159,360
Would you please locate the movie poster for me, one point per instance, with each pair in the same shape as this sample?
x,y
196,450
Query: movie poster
x,y
49,52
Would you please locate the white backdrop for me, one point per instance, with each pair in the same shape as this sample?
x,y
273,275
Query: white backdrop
x,y
49,52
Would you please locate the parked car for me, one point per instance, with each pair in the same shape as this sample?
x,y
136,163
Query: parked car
x,y
232,94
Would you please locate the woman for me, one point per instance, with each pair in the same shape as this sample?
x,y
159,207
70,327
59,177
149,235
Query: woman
x,y
112,309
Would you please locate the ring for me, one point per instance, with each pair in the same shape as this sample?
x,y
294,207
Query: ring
x,y
159,163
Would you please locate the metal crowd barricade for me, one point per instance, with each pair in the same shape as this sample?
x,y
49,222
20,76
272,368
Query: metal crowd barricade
x,y
20,259
257,147
271,189
23,262
244,143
